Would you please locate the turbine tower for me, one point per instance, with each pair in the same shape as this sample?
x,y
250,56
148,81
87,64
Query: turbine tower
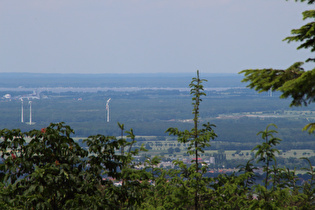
x,y
22,111
107,109
31,123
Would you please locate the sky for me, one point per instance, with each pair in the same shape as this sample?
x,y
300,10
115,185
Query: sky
x,y
147,36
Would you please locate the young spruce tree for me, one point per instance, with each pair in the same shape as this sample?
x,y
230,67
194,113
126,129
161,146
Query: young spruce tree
x,y
197,138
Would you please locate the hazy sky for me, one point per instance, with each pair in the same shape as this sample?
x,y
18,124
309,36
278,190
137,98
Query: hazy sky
x,y
147,36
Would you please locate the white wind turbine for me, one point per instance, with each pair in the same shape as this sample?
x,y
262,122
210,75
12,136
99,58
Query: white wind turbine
x,y
22,111
31,123
107,109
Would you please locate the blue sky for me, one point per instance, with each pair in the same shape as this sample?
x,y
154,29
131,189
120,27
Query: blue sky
x,y
147,36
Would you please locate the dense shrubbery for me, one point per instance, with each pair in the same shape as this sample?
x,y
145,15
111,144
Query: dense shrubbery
x,y
54,172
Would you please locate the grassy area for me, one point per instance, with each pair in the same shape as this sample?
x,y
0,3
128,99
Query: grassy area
x,y
161,147
231,154
297,153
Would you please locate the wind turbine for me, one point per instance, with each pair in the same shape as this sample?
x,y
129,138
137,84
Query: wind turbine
x,y
30,103
107,109
22,111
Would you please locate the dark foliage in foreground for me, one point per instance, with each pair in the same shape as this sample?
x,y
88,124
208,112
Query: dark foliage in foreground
x,y
54,172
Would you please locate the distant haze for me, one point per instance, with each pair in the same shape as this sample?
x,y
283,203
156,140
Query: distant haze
x,y
147,36
101,82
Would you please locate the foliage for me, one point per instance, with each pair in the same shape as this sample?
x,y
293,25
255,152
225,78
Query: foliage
x,y
48,172
54,172
248,169
305,34
293,82
197,138
310,127
308,1
265,151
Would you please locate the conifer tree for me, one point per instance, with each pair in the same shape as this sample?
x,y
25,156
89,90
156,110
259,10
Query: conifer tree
x,y
266,151
294,82
197,138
